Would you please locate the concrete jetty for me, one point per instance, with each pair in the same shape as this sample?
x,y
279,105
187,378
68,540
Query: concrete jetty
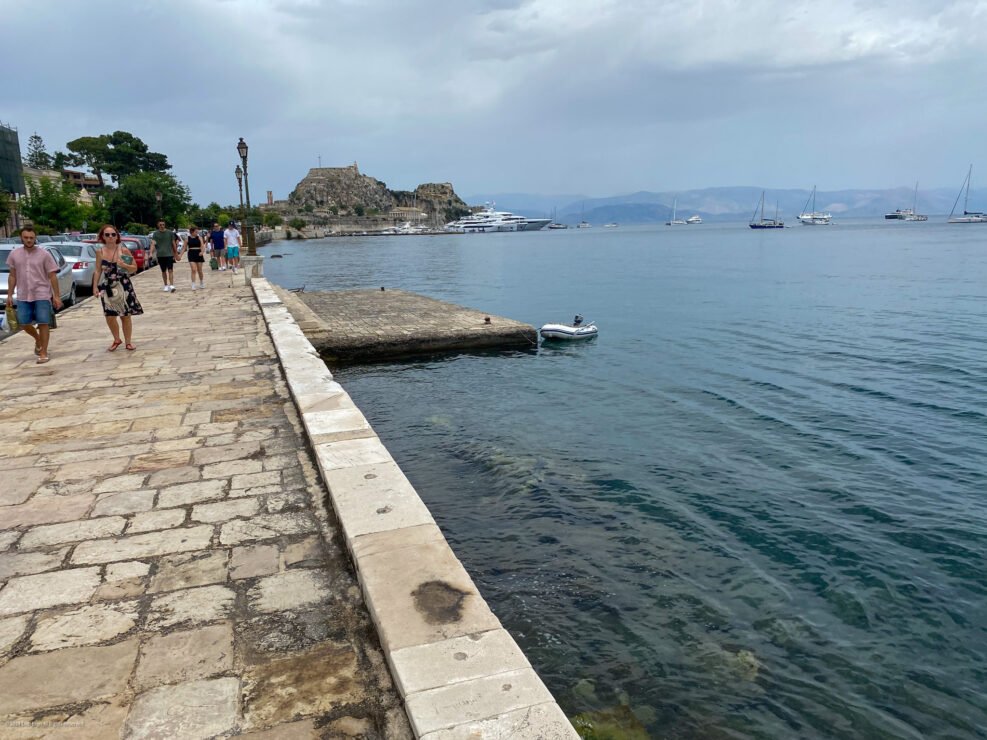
x,y
205,538
353,325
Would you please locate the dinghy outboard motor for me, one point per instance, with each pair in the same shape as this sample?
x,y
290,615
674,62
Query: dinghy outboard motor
x,y
577,321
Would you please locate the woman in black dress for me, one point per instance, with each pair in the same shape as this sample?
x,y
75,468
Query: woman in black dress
x,y
114,266
193,245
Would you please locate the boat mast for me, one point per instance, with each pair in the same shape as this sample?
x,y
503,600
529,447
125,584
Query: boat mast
x,y
965,185
915,198
966,198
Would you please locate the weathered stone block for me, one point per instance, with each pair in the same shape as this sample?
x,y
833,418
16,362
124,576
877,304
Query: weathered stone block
x,y
195,710
191,493
19,486
30,593
250,562
85,626
290,590
65,676
26,563
185,656
194,569
143,545
126,502
542,721
192,606
264,527
46,510
84,529
149,521
226,510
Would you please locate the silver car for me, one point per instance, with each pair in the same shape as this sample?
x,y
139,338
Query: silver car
x,y
66,283
83,259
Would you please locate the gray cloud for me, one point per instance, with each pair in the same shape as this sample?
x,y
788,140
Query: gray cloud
x,y
597,96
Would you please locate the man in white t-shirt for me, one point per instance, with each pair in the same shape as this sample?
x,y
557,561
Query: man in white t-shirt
x,y
231,238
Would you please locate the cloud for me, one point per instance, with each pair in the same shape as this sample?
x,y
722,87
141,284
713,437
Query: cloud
x,y
591,95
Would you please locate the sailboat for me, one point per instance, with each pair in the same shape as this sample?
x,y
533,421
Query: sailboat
x,y
968,217
675,221
814,217
555,224
766,223
907,214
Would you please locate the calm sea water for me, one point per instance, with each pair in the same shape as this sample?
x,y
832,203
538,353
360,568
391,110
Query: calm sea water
x,y
753,507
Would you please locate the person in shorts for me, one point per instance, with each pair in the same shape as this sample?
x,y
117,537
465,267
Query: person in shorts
x,y
218,245
231,238
194,247
164,245
35,275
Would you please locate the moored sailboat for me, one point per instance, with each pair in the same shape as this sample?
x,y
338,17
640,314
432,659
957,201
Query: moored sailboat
x,y
814,217
675,221
765,223
907,214
968,217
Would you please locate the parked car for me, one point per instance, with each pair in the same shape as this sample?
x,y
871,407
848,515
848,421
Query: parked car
x,y
142,255
83,259
66,283
145,243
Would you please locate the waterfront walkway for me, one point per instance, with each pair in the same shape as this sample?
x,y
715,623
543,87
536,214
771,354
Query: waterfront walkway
x,y
205,538
167,568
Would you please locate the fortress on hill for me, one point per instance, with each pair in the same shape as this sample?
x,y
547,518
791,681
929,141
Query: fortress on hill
x,y
342,198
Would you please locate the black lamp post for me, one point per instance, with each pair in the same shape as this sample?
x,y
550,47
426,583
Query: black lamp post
x,y
157,197
239,183
248,229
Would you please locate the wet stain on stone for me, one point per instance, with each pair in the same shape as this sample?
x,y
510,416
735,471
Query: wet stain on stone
x,y
439,603
460,656
370,476
385,509
506,687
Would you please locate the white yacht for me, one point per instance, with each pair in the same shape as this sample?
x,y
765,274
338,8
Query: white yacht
x,y
675,221
488,220
814,217
694,219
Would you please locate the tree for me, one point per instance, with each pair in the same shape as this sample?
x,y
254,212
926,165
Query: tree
x,y
119,155
273,219
37,156
358,209
135,199
51,203
297,224
6,206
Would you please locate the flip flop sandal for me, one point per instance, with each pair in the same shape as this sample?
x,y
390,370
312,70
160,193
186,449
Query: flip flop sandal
x,y
37,350
42,360
130,348
113,347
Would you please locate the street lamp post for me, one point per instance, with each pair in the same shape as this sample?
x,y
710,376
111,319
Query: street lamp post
x,y
248,229
239,183
157,197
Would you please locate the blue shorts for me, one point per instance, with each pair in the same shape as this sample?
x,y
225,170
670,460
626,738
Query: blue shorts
x,y
33,312
233,253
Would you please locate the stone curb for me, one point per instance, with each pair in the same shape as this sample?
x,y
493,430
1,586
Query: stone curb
x,y
460,674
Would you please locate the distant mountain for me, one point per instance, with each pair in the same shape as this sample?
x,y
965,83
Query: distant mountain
x,y
728,204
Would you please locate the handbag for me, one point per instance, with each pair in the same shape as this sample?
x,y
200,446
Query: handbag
x,y
114,297
213,263
12,323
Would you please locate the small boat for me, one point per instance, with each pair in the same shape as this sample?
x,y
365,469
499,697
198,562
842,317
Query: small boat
x,y
576,330
584,225
907,214
814,217
675,221
695,219
554,226
968,217
611,225
766,223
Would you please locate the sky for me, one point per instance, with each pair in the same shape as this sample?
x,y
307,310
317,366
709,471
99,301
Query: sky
x,y
595,97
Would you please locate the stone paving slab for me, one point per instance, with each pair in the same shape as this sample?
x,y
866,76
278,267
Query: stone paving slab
x,y
168,567
374,324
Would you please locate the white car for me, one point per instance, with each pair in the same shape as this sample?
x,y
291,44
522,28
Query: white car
x,y
66,282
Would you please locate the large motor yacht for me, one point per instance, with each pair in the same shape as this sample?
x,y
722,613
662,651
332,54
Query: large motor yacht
x,y
487,220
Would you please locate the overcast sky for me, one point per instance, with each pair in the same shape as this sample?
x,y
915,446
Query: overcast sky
x,y
598,97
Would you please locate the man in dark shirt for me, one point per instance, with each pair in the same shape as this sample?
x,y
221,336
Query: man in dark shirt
x,y
164,244
218,245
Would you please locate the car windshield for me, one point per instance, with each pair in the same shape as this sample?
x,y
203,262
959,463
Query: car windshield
x,y
3,260
70,250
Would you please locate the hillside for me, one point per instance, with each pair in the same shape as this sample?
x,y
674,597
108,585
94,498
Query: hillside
x,y
727,204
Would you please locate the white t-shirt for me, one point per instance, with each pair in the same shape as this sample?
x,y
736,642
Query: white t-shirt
x,y
231,238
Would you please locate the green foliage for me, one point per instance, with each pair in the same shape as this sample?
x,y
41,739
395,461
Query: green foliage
x,y
52,204
6,204
334,210
297,223
308,208
135,199
359,210
373,211
288,234
37,156
273,219
132,227
119,154
454,214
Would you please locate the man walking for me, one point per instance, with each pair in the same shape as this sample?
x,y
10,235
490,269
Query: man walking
x,y
35,275
164,245
231,238
218,245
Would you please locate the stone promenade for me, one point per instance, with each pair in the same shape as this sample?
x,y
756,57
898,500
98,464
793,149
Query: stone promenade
x,y
167,565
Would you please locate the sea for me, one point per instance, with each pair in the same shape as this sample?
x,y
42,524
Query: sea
x,y
755,506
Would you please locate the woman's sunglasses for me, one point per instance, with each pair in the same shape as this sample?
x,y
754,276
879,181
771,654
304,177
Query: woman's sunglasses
x,y
109,233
